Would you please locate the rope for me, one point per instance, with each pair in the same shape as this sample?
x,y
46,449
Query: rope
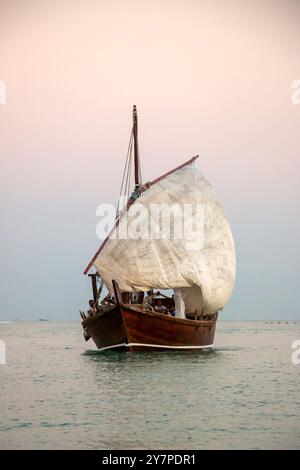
x,y
126,173
139,168
127,187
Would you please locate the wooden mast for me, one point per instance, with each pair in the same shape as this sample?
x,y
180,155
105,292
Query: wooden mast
x,y
94,285
136,150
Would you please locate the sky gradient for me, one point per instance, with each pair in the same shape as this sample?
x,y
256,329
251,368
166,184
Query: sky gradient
x,y
208,77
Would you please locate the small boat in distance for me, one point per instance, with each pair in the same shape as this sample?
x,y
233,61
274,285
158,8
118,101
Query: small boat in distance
x,y
197,264
43,319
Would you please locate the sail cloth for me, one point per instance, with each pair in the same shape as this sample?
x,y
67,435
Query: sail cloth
x,y
199,262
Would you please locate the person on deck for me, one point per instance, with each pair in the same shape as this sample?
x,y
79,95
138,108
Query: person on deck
x,y
107,299
179,304
92,310
148,299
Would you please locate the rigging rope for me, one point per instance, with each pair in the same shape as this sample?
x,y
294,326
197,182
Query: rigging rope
x,y
125,185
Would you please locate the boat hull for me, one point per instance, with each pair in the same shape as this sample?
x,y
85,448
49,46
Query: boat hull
x,y
127,328
155,331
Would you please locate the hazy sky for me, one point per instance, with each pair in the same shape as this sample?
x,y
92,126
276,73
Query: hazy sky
x,y
209,77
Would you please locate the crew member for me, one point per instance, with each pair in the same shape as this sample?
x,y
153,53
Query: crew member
x,y
148,299
92,310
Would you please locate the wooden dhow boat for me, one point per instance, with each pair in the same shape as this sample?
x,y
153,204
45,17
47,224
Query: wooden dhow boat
x,y
197,264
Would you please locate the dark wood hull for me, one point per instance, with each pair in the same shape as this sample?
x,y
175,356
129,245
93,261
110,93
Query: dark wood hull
x,y
132,329
107,330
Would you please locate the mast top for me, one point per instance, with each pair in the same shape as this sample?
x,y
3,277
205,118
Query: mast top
x,y
137,170
135,121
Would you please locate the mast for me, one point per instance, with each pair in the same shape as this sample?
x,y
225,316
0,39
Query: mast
x,y
94,284
136,150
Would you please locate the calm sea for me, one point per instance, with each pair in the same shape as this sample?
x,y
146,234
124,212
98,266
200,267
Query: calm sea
x,y
58,392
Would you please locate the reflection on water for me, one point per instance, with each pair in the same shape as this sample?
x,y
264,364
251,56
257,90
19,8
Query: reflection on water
x,y
152,356
57,392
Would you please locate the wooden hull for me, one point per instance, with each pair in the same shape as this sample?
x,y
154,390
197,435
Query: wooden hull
x,y
131,329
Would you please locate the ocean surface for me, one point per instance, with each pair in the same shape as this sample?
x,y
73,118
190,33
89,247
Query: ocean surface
x,y
58,392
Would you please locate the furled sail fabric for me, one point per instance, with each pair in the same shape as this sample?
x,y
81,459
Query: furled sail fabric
x,y
196,253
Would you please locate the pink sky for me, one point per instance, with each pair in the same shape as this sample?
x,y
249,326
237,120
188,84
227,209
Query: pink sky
x,y
208,77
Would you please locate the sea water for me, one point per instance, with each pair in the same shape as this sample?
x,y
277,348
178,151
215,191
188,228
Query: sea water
x,y
58,392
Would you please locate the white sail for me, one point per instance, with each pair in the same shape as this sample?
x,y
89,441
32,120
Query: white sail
x,y
202,265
